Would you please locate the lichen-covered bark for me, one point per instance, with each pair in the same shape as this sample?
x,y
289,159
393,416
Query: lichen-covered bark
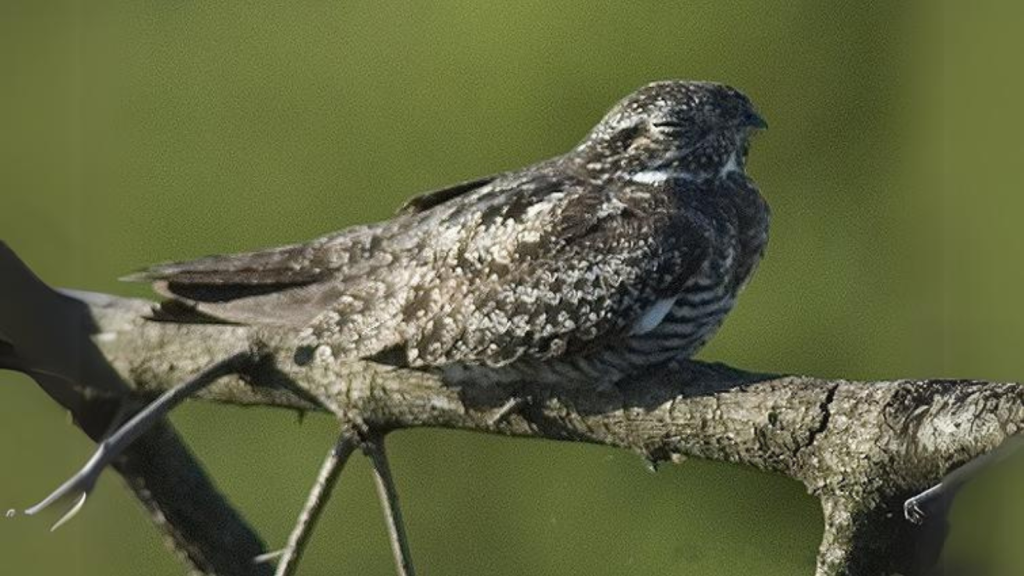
x,y
861,447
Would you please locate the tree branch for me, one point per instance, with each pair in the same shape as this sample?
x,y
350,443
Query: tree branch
x,y
863,448
288,558
50,337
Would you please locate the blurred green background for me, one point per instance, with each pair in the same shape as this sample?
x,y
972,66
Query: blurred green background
x,y
136,132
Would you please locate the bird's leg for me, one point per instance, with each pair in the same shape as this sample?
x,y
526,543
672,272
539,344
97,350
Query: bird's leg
x,y
110,448
288,557
914,508
373,446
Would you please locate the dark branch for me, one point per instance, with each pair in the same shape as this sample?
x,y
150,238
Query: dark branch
x,y
49,337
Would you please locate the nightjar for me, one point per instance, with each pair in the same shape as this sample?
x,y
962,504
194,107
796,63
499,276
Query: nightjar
x,y
627,251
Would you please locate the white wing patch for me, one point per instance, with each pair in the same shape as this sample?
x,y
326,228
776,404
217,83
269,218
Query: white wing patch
x,y
659,175
651,176
652,317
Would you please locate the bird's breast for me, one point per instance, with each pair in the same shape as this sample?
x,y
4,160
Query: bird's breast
x,y
693,318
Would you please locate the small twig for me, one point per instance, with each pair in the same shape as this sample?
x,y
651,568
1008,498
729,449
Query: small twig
x,y
85,479
319,495
509,407
388,494
124,409
914,508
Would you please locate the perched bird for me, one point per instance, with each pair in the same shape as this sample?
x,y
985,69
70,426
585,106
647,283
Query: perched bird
x,y
626,251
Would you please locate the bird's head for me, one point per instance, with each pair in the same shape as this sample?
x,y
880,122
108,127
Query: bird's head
x,y
673,129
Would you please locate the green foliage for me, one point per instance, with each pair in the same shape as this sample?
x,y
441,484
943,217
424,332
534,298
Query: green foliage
x,y
139,132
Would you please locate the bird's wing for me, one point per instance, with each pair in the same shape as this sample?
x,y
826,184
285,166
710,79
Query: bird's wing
x,y
526,266
551,270
286,285
281,266
428,200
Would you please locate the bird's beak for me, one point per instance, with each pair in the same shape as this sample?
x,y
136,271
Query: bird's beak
x,y
754,120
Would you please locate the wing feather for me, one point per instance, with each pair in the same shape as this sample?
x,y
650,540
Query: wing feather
x,y
428,200
285,286
576,269
288,285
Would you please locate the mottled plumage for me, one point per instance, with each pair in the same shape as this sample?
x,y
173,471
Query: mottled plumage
x,y
628,250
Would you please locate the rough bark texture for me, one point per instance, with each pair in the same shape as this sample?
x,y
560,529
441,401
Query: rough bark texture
x,y
861,447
